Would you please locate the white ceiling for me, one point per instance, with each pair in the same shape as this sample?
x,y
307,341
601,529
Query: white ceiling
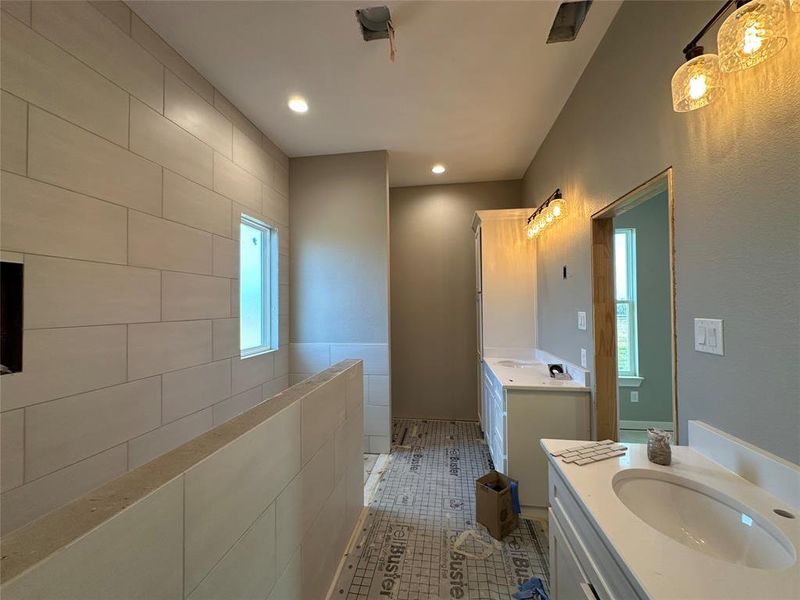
x,y
474,85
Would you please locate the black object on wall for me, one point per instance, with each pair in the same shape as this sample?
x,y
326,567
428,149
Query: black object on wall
x,y
11,285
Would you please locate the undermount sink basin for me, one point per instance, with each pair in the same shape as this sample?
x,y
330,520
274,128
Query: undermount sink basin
x,y
702,519
515,364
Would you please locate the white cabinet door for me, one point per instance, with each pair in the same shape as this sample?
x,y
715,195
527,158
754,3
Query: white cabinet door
x,y
567,579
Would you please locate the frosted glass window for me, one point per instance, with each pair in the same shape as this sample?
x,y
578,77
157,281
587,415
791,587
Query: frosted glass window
x,y
258,288
625,291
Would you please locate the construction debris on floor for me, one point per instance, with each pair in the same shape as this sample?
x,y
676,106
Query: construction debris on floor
x,y
413,544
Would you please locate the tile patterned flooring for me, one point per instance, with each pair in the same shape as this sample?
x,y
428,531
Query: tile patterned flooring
x,y
425,498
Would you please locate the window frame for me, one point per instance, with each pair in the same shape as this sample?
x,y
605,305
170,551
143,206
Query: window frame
x,y
269,288
630,300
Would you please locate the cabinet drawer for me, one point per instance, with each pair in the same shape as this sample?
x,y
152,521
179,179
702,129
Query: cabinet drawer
x,y
608,579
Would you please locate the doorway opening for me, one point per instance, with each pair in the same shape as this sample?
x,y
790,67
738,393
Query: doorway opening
x,y
633,298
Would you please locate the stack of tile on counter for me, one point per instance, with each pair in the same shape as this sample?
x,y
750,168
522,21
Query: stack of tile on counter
x,y
593,452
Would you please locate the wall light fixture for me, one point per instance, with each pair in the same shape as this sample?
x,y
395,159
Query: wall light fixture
x,y
754,32
553,209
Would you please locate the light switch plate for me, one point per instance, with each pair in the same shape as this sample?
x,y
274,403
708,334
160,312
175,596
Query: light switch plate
x,y
581,320
634,396
708,336
583,357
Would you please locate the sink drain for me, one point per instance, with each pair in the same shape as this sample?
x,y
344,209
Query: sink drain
x,y
783,513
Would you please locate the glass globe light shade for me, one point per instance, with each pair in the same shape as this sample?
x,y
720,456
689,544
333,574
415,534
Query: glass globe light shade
x,y
558,208
548,214
794,5
752,34
696,83
530,232
540,222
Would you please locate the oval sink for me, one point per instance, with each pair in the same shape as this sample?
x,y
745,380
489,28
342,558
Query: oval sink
x,y
703,519
515,364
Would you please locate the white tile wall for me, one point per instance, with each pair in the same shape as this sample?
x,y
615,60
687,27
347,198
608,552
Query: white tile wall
x,y
192,204
68,156
84,32
61,292
109,562
40,72
13,133
129,244
244,522
43,219
64,431
309,358
65,361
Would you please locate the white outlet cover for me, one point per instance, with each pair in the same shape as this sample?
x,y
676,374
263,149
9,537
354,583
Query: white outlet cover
x,y
581,320
583,357
708,336
634,396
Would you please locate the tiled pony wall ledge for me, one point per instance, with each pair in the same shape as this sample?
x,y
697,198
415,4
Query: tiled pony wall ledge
x,y
124,173
308,358
260,507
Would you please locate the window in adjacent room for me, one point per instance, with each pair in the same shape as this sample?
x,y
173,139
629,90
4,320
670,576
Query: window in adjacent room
x,y
625,287
258,287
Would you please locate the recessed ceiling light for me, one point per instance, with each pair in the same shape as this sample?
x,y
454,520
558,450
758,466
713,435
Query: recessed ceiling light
x,y
298,104
438,169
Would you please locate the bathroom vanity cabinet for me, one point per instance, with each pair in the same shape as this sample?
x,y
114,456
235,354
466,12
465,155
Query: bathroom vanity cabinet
x,y
581,566
515,418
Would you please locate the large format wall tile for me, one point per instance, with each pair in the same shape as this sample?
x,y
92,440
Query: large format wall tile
x,y
248,569
227,491
223,105
61,362
116,11
250,156
195,115
377,420
236,405
21,9
378,390
108,562
65,293
13,134
237,184
226,338
43,219
85,33
67,156
189,390
327,531
274,205
154,443
323,412
162,244
161,347
226,257
162,141
12,436
64,431
32,500
192,204
188,297
152,42
309,358
43,74
252,371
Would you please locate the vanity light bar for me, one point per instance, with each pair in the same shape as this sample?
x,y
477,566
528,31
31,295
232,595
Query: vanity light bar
x,y
551,210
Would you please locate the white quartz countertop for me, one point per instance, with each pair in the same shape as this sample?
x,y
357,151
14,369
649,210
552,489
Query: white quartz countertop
x,y
531,375
659,565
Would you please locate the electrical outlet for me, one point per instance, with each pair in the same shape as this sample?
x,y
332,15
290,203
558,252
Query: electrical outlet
x,y
583,357
581,320
634,396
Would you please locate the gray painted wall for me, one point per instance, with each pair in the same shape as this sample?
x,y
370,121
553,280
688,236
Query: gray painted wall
x,y
736,187
341,270
651,222
340,276
433,296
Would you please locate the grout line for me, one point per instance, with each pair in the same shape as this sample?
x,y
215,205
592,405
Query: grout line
x,y
27,137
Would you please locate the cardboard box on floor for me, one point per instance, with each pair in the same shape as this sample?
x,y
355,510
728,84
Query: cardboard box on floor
x,y
494,507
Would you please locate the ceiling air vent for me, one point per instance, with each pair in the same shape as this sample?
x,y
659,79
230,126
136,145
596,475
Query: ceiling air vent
x,y
568,21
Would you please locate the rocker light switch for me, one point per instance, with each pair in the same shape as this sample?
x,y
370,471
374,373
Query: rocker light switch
x,y
708,336
581,320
